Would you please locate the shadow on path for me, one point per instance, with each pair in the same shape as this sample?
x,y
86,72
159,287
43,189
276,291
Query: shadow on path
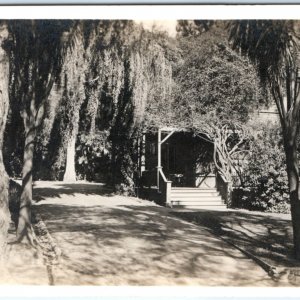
x,y
268,237
59,189
142,245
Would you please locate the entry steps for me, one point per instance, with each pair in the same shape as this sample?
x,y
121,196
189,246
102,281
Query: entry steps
x,y
205,198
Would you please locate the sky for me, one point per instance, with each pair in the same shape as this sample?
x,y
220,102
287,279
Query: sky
x,y
166,25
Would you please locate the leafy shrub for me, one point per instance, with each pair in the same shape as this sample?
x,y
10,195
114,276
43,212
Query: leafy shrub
x,y
92,156
265,184
124,189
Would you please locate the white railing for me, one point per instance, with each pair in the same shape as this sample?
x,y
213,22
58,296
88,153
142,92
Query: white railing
x,y
164,186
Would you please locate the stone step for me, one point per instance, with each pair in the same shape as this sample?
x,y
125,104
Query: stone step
x,y
196,198
206,207
195,194
187,189
187,202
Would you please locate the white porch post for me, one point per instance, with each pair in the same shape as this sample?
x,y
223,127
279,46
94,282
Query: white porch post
x,y
158,156
168,192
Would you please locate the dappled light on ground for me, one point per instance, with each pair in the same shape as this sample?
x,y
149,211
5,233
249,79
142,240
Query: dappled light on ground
x,y
46,189
268,236
117,240
117,246
108,239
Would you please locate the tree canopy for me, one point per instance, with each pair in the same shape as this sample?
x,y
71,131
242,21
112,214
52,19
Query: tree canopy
x,y
213,79
216,91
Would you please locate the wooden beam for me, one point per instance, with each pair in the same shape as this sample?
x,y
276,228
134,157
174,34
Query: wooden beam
x,y
168,129
167,136
159,149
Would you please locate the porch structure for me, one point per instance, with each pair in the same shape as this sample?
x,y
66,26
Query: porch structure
x,y
177,167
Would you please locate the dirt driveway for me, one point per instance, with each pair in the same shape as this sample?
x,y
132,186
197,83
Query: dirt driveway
x,y
115,240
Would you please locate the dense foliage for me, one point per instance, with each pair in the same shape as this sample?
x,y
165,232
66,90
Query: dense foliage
x,y
265,185
93,156
128,78
217,89
215,79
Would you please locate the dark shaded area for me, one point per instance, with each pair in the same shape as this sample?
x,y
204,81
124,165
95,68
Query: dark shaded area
x,y
186,159
187,154
50,164
15,191
14,138
42,193
269,238
151,194
124,139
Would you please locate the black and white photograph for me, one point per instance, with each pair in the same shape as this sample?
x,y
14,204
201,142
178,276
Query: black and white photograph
x,y
150,152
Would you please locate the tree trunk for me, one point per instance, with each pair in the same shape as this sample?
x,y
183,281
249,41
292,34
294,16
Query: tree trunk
x,y
293,179
4,212
24,222
70,174
4,74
